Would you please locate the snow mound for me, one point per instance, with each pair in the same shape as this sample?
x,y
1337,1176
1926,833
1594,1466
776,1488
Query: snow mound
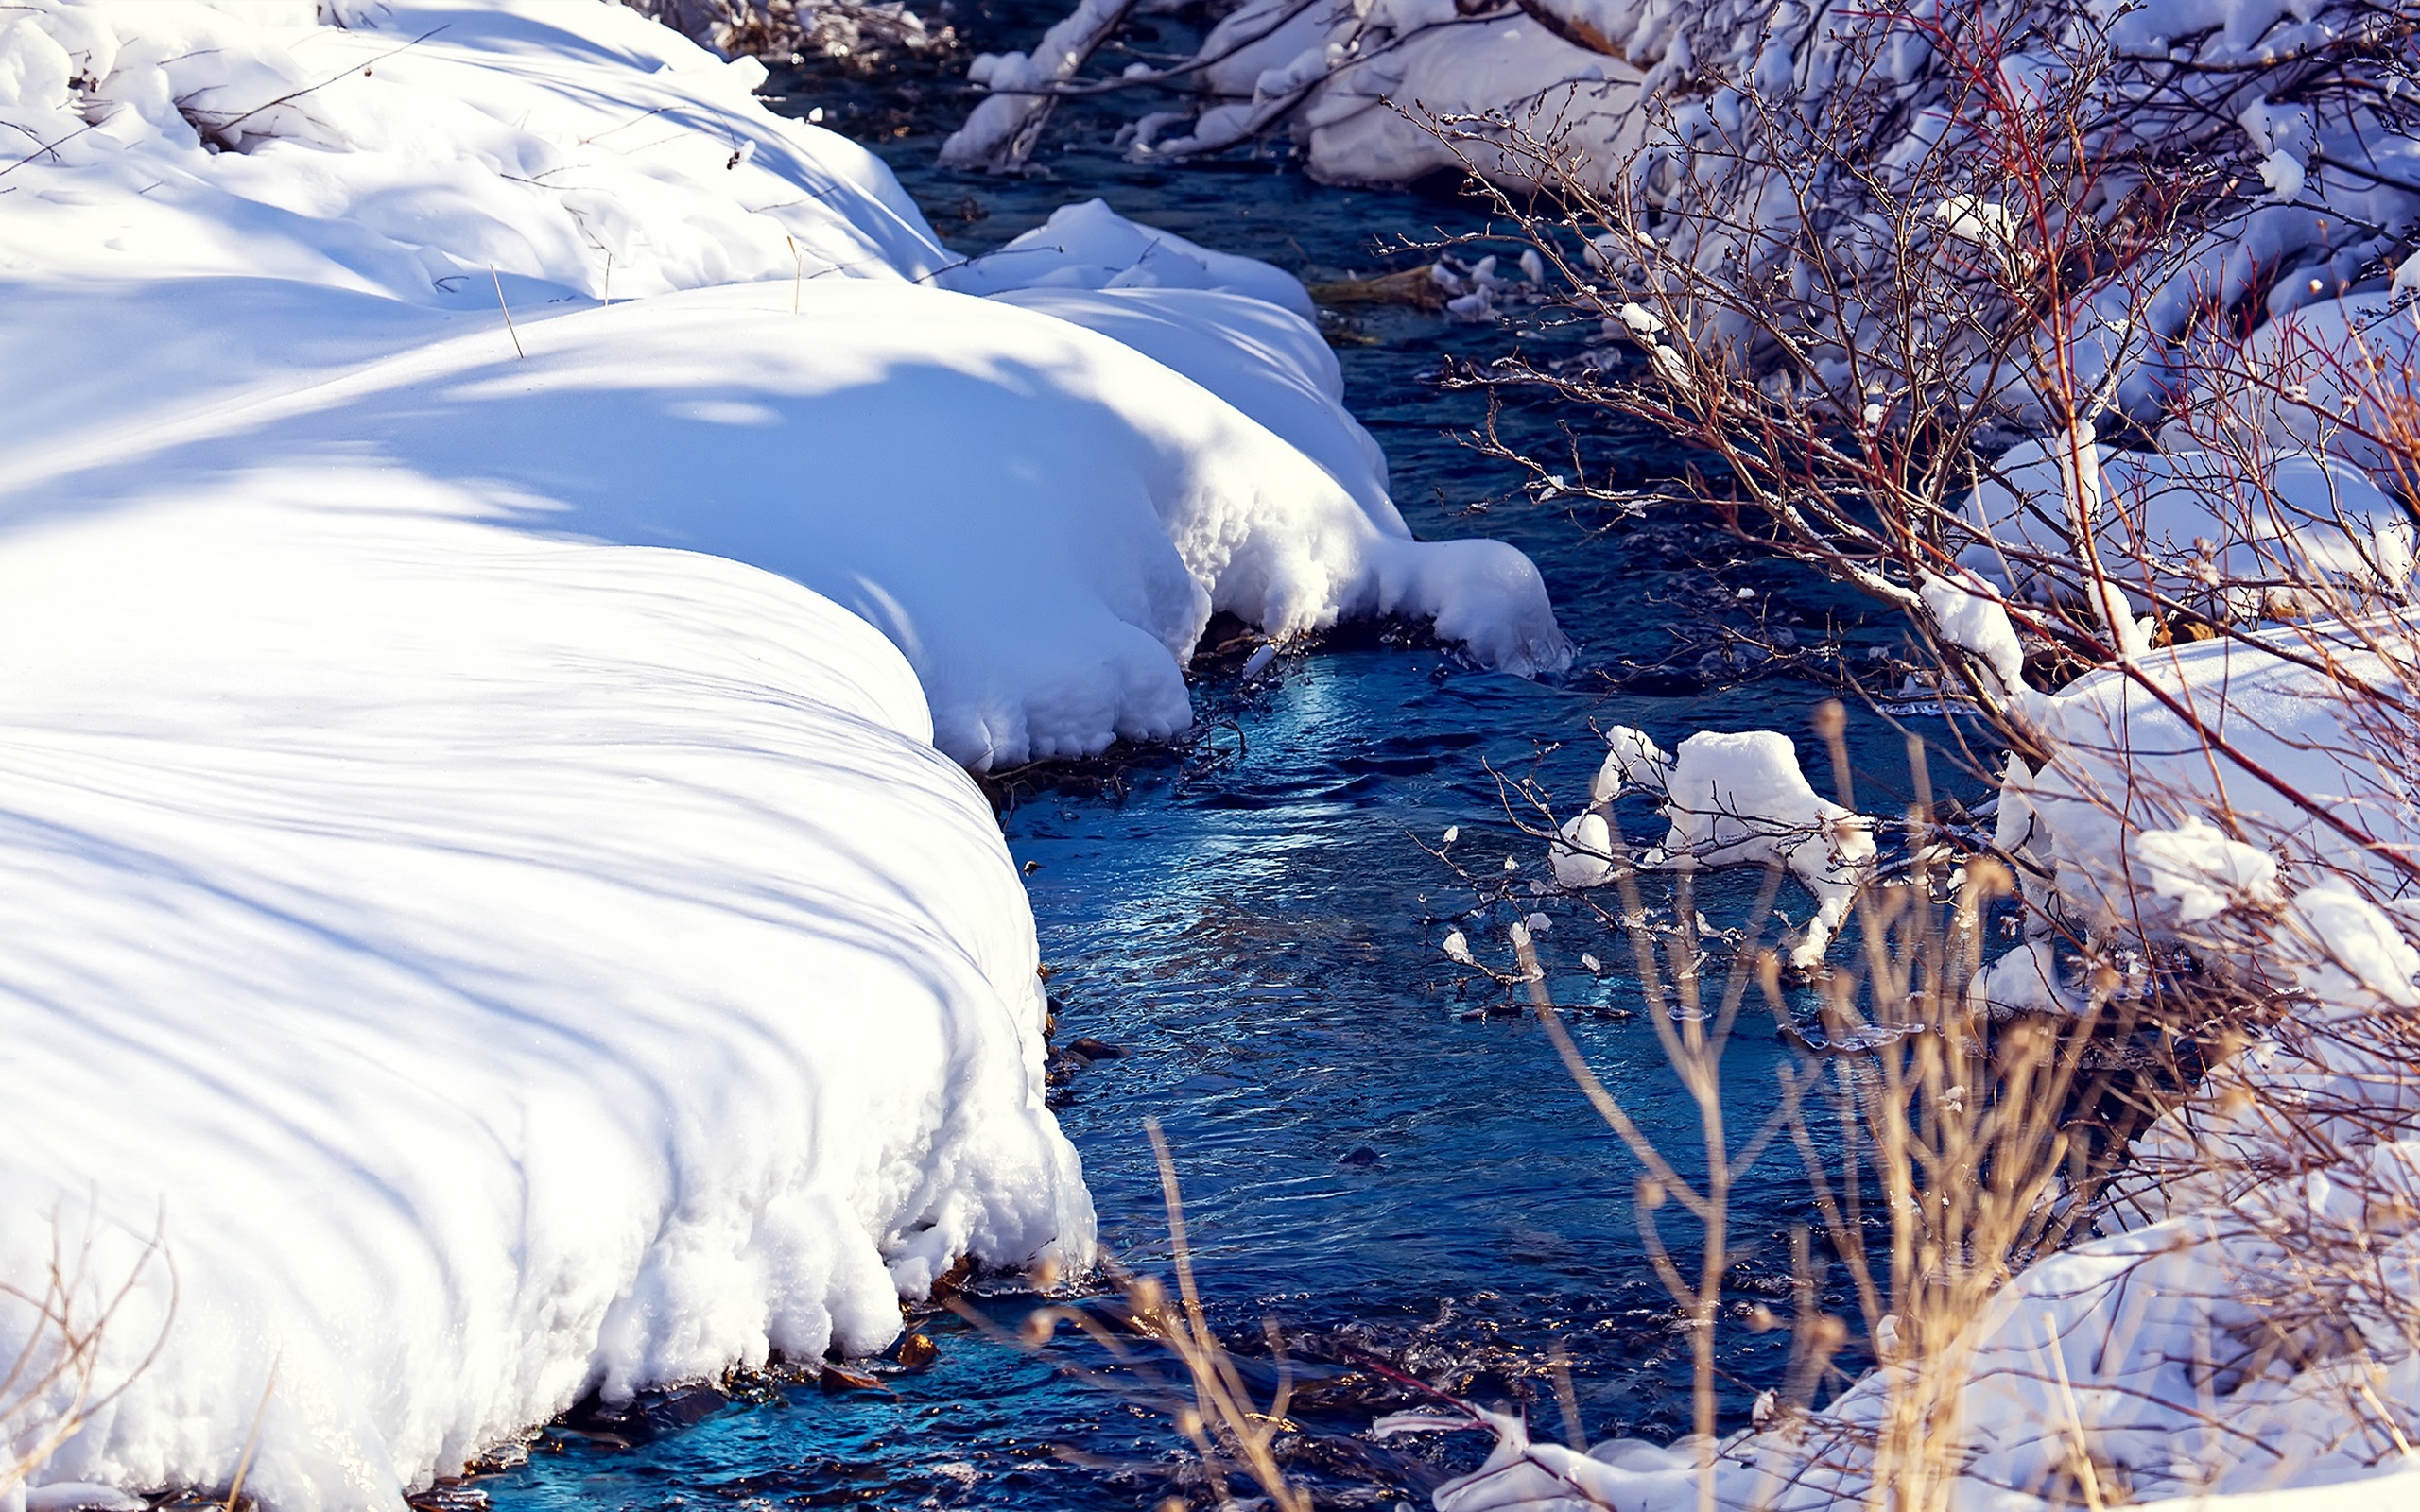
x,y
1089,245
1268,362
980,482
1366,117
498,968
1041,518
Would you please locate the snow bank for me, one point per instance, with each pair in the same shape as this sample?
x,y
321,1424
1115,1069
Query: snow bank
x,y
2244,1322
1710,119
1358,85
2231,535
499,968
1045,620
908,454
486,893
1268,363
570,143
1523,1475
2249,1326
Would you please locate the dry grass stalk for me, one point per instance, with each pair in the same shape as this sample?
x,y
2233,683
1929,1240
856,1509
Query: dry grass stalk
x,y
1228,1428
1951,1151
52,1386
1232,1433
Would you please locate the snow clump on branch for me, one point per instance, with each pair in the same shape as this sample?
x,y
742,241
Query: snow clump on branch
x,y
1730,801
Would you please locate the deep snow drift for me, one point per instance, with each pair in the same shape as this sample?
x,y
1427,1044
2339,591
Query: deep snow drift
x,y
538,157
483,891
497,968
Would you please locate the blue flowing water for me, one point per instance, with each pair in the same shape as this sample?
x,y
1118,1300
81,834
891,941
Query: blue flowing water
x,y
1369,1158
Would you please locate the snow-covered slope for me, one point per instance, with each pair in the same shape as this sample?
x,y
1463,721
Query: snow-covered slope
x,y
494,967
532,159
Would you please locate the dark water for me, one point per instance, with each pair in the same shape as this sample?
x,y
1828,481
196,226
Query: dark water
x,y
1368,1158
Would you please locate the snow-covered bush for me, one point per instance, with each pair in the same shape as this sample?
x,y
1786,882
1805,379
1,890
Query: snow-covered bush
x,y
1733,800
2083,339
2117,180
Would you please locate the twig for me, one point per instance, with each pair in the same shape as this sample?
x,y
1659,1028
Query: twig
x,y
253,1439
507,313
222,127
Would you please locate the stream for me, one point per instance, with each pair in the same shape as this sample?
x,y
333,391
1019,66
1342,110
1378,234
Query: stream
x,y
1370,1157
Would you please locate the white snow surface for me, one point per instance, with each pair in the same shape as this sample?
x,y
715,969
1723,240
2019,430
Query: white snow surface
x,y
1042,518
1089,245
496,968
2116,782
485,893
539,157
1266,362
2223,533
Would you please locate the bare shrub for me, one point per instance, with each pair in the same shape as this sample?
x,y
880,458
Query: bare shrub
x,y
1945,1145
54,1382
2201,659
